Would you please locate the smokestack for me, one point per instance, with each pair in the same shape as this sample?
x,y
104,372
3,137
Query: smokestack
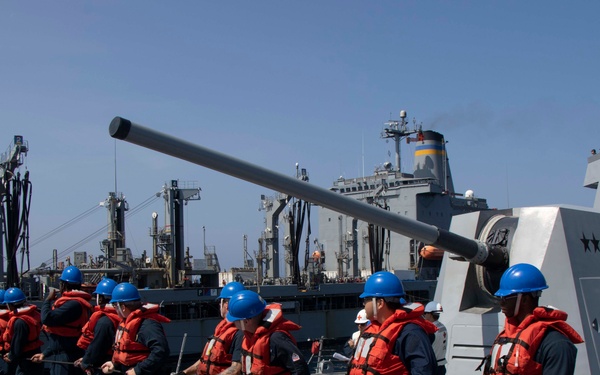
x,y
431,160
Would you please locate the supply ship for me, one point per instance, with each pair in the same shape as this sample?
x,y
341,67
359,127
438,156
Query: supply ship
x,y
317,289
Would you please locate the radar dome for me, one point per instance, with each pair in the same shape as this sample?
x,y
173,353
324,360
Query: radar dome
x,y
469,194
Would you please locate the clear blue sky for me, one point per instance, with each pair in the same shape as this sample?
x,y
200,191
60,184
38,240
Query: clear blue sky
x,y
513,85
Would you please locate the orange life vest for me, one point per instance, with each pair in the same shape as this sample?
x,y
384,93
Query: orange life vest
x,y
32,317
515,347
73,329
87,332
256,357
4,317
215,356
127,351
374,351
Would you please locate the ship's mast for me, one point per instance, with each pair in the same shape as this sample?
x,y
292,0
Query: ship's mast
x,y
397,130
175,200
248,263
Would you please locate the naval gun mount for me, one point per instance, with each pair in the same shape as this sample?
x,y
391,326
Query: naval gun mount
x,y
560,240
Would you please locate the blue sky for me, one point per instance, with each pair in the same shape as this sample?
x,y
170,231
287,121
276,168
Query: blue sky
x,y
513,86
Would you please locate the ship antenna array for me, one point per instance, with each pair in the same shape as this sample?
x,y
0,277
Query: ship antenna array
x,y
398,130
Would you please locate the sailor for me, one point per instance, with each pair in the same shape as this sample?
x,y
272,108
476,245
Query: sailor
x,y
22,335
535,339
432,314
268,347
63,319
361,322
141,345
98,334
398,339
223,353
4,317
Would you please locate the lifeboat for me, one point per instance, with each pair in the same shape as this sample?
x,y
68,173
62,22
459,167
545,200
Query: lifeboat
x,y
431,253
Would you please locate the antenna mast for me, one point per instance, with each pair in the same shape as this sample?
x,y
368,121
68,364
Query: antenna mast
x,y
397,130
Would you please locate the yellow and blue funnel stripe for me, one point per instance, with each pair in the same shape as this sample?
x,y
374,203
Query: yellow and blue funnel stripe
x,y
429,149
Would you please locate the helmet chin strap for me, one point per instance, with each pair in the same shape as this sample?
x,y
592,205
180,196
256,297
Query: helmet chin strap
x,y
374,308
517,304
120,311
98,299
242,325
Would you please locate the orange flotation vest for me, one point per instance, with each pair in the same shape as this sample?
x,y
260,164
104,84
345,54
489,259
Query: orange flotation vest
x,y
87,332
31,316
374,353
127,351
215,356
4,318
72,329
515,347
256,357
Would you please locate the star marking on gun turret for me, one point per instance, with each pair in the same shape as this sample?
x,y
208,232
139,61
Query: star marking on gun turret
x,y
595,243
586,243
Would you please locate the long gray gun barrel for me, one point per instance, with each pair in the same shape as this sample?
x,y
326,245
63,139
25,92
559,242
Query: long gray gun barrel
x,y
472,250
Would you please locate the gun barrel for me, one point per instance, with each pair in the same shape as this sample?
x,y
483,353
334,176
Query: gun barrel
x,y
472,250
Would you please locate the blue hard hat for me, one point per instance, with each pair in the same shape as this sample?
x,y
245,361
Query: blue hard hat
x,y
521,278
105,287
125,292
383,284
230,289
245,305
14,295
71,275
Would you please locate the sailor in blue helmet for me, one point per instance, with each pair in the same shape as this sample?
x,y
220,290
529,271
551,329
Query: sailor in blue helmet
x,y
22,335
398,340
141,345
63,319
535,340
98,334
268,347
223,352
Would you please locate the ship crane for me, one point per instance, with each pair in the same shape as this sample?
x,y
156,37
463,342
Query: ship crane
x,y
248,261
15,195
171,239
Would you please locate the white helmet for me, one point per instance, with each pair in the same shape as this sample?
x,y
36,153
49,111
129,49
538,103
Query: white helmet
x,y
361,317
434,307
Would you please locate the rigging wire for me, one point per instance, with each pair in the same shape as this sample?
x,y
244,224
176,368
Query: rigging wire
x,y
137,209
65,225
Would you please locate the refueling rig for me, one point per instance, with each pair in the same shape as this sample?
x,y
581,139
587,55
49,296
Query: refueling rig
x,y
480,246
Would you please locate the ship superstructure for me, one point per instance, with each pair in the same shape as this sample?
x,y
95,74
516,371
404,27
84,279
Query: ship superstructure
x,y
354,248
